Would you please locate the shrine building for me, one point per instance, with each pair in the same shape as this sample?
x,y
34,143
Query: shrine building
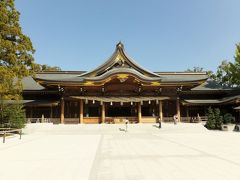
x,y
121,89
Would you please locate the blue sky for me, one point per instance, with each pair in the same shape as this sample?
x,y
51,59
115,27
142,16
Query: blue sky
x,y
161,35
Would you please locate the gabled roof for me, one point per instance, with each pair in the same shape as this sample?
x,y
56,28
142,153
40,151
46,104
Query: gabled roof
x,y
211,85
33,102
119,59
119,65
183,77
74,79
225,100
122,70
29,84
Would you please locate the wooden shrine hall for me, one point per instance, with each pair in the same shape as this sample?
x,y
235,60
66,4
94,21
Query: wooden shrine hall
x,y
121,89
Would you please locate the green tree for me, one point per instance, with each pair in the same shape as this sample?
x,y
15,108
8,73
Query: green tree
x,y
228,118
16,51
199,70
215,120
235,67
223,75
211,119
195,69
16,62
45,67
228,73
12,115
218,119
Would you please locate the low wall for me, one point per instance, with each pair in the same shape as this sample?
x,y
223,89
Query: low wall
x,y
145,119
120,120
55,120
71,120
91,120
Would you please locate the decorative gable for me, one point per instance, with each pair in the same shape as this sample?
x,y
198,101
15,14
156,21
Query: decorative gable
x,y
119,60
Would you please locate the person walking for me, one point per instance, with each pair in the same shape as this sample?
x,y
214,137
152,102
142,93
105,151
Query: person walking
x,y
159,122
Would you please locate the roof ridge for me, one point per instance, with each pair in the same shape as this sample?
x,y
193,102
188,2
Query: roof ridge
x,y
61,72
182,73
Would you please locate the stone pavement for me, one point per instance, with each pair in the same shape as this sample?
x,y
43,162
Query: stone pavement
x,y
102,152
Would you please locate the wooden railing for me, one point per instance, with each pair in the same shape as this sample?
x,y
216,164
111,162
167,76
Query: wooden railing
x,y
194,119
112,120
38,120
115,120
167,119
43,120
71,120
5,131
91,120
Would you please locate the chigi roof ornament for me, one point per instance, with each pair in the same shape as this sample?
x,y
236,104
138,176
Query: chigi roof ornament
x,y
120,45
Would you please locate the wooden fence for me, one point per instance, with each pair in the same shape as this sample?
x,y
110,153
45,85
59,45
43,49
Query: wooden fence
x,y
6,131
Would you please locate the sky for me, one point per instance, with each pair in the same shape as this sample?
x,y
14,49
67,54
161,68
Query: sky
x,y
161,35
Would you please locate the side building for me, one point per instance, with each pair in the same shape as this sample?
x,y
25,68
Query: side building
x,y
121,89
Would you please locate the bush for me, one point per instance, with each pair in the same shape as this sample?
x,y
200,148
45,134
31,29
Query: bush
x,y
215,120
12,116
228,118
211,119
218,119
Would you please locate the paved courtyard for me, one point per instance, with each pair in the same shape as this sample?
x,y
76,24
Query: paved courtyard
x,y
107,152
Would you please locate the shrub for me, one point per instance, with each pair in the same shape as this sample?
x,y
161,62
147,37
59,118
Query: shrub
x,y
211,119
228,118
12,116
215,119
218,119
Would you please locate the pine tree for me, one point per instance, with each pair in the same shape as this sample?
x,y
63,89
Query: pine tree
x,y
235,67
218,119
46,67
228,73
12,116
16,52
211,119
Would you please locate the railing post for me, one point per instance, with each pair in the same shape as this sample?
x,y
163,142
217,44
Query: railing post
x,y
81,112
161,111
139,112
20,133
62,111
188,119
103,113
4,136
178,110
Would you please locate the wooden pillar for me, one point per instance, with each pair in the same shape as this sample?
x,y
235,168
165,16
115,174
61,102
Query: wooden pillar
x,y
81,112
103,113
160,110
139,112
31,111
188,114
178,110
51,112
62,111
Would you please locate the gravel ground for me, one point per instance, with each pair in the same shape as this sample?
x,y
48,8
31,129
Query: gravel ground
x,y
102,152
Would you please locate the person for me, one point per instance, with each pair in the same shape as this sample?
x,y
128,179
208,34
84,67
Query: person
x,y
126,122
42,119
159,122
198,118
175,119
